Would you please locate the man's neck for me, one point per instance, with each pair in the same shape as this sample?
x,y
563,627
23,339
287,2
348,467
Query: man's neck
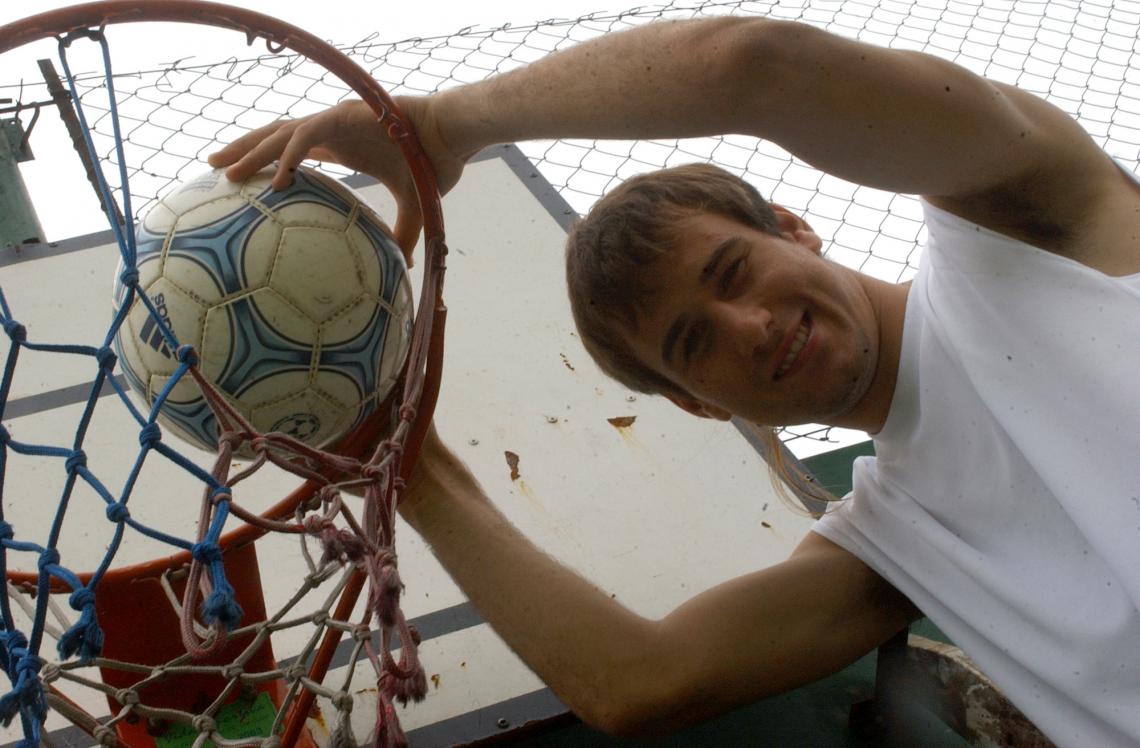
x,y
889,303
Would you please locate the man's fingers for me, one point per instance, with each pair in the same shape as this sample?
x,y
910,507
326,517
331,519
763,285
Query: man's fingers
x,y
300,141
289,153
236,150
283,142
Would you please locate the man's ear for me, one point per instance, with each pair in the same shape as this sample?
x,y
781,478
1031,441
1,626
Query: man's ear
x,y
699,408
795,228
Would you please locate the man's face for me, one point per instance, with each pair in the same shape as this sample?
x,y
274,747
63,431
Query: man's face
x,y
758,326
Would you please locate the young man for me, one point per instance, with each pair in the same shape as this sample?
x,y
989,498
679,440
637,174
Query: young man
x,y
1003,501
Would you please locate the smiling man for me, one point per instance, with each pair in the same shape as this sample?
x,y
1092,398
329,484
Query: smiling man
x,y
728,307
999,386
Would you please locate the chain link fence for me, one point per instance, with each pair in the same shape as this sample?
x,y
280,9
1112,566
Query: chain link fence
x,y
1081,56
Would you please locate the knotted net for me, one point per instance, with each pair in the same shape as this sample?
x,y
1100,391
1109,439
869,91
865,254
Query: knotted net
x,y
213,674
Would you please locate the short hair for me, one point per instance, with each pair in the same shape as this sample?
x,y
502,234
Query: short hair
x,y
608,251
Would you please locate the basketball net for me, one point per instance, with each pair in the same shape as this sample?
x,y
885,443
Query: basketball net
x,y
183,644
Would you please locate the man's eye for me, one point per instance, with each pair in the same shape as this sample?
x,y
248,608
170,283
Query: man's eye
x,y
729,274
692,343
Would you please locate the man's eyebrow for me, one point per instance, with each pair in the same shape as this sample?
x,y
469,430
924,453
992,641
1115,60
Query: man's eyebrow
x,y
710,268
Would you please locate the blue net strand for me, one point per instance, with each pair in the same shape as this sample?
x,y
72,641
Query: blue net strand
x,y
171,383
6,533
26,699
124,235
19,650
73,462
162,537
17,333
22,546
128,213
11,642
84,639
34,450
112,547
222,500
221,607
186,464
126,402
96,485
106,361
31,727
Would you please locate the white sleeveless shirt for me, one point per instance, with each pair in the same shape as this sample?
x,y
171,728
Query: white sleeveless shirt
x,y
1004,500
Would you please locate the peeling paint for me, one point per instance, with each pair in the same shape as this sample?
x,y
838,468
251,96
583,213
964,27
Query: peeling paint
x,y
983,715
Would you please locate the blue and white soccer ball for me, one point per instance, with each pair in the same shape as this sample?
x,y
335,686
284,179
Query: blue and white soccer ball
x,y
297,302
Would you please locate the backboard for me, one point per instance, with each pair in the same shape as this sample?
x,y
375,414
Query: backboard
x,y
648,502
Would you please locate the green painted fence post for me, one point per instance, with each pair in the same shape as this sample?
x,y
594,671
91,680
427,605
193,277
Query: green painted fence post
x,y
18,221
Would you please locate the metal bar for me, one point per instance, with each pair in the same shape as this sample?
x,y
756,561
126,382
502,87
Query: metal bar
x,y
66,109
17,108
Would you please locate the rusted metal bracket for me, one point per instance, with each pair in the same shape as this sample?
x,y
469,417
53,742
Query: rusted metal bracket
x,y
915,672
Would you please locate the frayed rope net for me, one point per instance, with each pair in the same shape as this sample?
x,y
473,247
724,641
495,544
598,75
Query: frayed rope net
x,y
340,548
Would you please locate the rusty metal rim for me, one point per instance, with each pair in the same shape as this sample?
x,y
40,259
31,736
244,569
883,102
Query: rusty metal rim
x,y
280,36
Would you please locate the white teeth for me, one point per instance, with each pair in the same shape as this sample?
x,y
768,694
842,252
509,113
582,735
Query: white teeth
x,y
797,346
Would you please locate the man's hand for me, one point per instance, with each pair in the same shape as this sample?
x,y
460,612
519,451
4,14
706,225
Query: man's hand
x,y
349,134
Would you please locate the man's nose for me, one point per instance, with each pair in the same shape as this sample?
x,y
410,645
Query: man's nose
x,y
749,327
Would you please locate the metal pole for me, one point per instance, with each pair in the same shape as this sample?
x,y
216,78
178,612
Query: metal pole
x,y
62,99
18,221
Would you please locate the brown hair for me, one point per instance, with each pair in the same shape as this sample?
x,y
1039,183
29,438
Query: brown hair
x,y
608,252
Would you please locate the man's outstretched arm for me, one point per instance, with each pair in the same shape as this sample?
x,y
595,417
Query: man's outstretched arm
x,y
760,634
896,120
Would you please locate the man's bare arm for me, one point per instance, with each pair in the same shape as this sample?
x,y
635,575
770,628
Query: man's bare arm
x,y
896,120
757,635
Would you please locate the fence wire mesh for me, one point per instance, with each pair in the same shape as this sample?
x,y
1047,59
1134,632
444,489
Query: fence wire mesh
x,y
1081,56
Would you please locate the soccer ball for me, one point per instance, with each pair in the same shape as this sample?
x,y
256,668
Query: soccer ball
x,y
297,303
